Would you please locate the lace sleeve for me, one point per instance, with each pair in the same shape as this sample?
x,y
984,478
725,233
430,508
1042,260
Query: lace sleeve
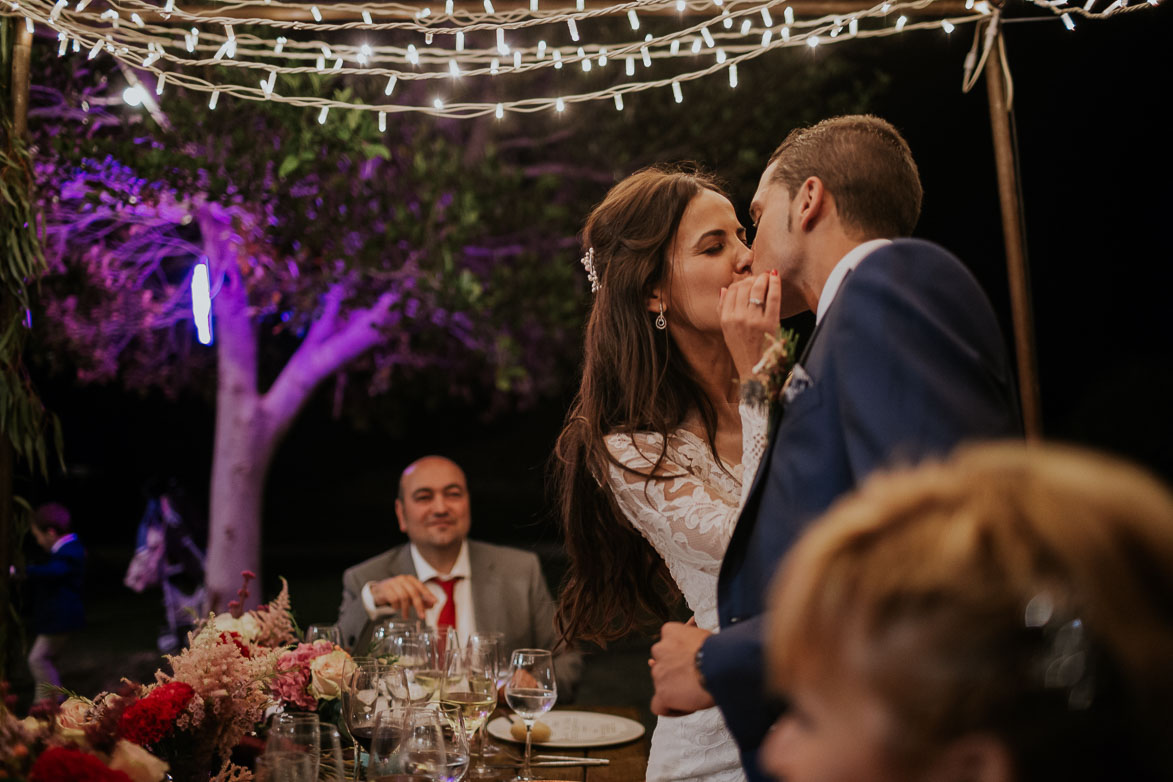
x,y
687,513
755,422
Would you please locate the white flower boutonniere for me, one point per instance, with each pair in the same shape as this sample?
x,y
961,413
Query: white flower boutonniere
x,y
765,386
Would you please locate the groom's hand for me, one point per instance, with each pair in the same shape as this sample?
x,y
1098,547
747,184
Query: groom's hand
x,y
674,674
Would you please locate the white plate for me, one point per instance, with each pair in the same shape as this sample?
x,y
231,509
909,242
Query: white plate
x,y
576,729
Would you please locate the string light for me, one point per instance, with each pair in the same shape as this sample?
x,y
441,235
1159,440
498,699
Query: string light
x,y
633,19
559,105
214,100
1067,22
322,115
382,122
618,102
499,112
676,93
160,83
147,43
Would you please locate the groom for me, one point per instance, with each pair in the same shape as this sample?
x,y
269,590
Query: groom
x,y
906,361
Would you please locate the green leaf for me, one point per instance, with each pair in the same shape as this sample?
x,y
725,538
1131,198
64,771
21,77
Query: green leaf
x,y
288,165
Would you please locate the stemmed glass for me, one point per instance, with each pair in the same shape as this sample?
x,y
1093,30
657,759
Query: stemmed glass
x,y
416,652
374,688
530,691
293,732
423,750
284,767
484,648
329,633
468,691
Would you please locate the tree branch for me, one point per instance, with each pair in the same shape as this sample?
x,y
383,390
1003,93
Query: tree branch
x,y
313,362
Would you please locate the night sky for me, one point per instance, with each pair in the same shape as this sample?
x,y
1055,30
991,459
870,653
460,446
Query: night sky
x,y
1096,165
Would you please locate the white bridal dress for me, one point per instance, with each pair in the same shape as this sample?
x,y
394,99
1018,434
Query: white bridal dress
x,y
689,520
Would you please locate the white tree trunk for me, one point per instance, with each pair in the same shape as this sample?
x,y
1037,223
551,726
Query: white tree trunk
x,y
248,425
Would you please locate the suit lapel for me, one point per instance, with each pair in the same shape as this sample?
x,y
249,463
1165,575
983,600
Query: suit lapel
x,y
776,421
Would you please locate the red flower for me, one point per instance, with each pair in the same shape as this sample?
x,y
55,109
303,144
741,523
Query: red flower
x,y
234,637
59,764
153,718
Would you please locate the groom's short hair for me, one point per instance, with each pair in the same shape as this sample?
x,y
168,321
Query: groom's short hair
x,y
865,164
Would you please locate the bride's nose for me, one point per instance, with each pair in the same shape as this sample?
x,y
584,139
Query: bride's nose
x,y
743,261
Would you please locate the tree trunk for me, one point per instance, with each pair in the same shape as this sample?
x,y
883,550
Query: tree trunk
x,y
244,441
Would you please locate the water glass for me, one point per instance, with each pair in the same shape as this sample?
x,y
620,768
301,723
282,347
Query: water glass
x,y
330,767
284,767
423,750
531,692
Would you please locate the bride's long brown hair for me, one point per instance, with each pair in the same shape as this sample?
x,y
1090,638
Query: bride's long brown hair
x,y
633,379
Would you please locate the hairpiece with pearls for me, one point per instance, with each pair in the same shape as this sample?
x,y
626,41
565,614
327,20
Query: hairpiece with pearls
x,y
588,263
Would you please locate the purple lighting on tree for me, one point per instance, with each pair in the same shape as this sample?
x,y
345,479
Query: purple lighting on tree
x,y
201,303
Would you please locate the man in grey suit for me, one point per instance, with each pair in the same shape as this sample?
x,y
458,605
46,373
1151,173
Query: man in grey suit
x,y
447,579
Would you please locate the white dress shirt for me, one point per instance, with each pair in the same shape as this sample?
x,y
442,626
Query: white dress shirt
x,y
465,619
846,264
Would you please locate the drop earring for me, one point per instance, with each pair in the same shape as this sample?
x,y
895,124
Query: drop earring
x,y
661,321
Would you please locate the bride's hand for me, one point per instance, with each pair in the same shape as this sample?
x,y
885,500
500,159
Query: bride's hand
x,y
750,309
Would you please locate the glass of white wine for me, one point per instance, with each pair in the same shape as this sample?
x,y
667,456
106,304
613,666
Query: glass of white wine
x,y
468,691
531,691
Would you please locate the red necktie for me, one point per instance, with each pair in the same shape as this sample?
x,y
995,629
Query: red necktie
x,y
447,617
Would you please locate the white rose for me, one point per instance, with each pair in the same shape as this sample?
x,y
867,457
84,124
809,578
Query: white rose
x,y
328,674
246,626
137,763
73,717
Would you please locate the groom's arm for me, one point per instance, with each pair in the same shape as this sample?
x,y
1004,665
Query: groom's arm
x,y
732,664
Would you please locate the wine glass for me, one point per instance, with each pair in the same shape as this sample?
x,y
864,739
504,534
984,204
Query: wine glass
x,y
386,739
284,767
385,633
330,766
530,691
373,688
416,652
296,732
485,652
468,691
423,750
323,632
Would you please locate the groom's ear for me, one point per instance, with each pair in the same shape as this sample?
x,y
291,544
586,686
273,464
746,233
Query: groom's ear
x,y
812,203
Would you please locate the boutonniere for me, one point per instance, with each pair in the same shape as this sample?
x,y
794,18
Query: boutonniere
x,y
768,381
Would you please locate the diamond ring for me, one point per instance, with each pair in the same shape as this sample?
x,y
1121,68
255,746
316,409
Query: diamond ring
x,y
758,302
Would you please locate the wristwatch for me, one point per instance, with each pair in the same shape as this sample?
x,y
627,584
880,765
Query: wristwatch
x,y
697,662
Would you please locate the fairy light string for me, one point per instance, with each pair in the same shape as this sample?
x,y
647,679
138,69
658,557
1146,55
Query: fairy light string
x,y
177,44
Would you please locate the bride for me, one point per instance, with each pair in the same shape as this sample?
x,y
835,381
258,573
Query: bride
x,y
656,452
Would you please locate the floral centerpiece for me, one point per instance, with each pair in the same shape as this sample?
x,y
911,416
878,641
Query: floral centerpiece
x,y
238,668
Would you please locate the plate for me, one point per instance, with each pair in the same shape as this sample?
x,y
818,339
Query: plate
x,y
576,729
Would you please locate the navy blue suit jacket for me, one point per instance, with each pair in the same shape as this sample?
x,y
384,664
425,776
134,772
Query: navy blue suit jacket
x,y
907,362
55,591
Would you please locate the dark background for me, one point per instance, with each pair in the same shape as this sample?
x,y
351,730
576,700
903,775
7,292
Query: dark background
x,y
1090,111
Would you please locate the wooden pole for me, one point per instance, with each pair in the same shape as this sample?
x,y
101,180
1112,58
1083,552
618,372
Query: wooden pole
x,y
1012,232
21,54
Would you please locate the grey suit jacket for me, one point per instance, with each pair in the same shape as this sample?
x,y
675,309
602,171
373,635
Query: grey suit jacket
x,y
509,595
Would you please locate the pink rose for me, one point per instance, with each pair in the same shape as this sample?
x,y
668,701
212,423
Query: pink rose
x,y
328,674
137,763
73,716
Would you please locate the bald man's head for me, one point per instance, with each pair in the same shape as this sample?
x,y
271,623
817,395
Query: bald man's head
x,y
432,504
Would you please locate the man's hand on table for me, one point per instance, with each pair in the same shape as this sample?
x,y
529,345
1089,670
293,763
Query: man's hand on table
x,y
674,674
403,593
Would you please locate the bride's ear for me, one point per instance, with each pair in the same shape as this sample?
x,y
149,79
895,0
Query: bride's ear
x,y
976,757
655,303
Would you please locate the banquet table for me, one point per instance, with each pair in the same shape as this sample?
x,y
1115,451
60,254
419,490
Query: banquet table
x,y
628,763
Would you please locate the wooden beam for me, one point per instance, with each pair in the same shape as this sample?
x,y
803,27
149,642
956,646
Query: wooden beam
x,y
1013,235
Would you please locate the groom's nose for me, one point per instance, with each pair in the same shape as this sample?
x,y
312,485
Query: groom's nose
x,y
744,262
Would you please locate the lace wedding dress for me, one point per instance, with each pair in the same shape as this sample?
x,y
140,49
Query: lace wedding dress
x,y
689,520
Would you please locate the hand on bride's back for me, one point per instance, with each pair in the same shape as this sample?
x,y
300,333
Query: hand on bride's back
x,y
750,309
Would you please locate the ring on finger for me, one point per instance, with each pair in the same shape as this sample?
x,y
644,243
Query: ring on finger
x,y
756,301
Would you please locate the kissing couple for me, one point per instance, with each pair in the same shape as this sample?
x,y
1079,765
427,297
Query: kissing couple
x,y
685,467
